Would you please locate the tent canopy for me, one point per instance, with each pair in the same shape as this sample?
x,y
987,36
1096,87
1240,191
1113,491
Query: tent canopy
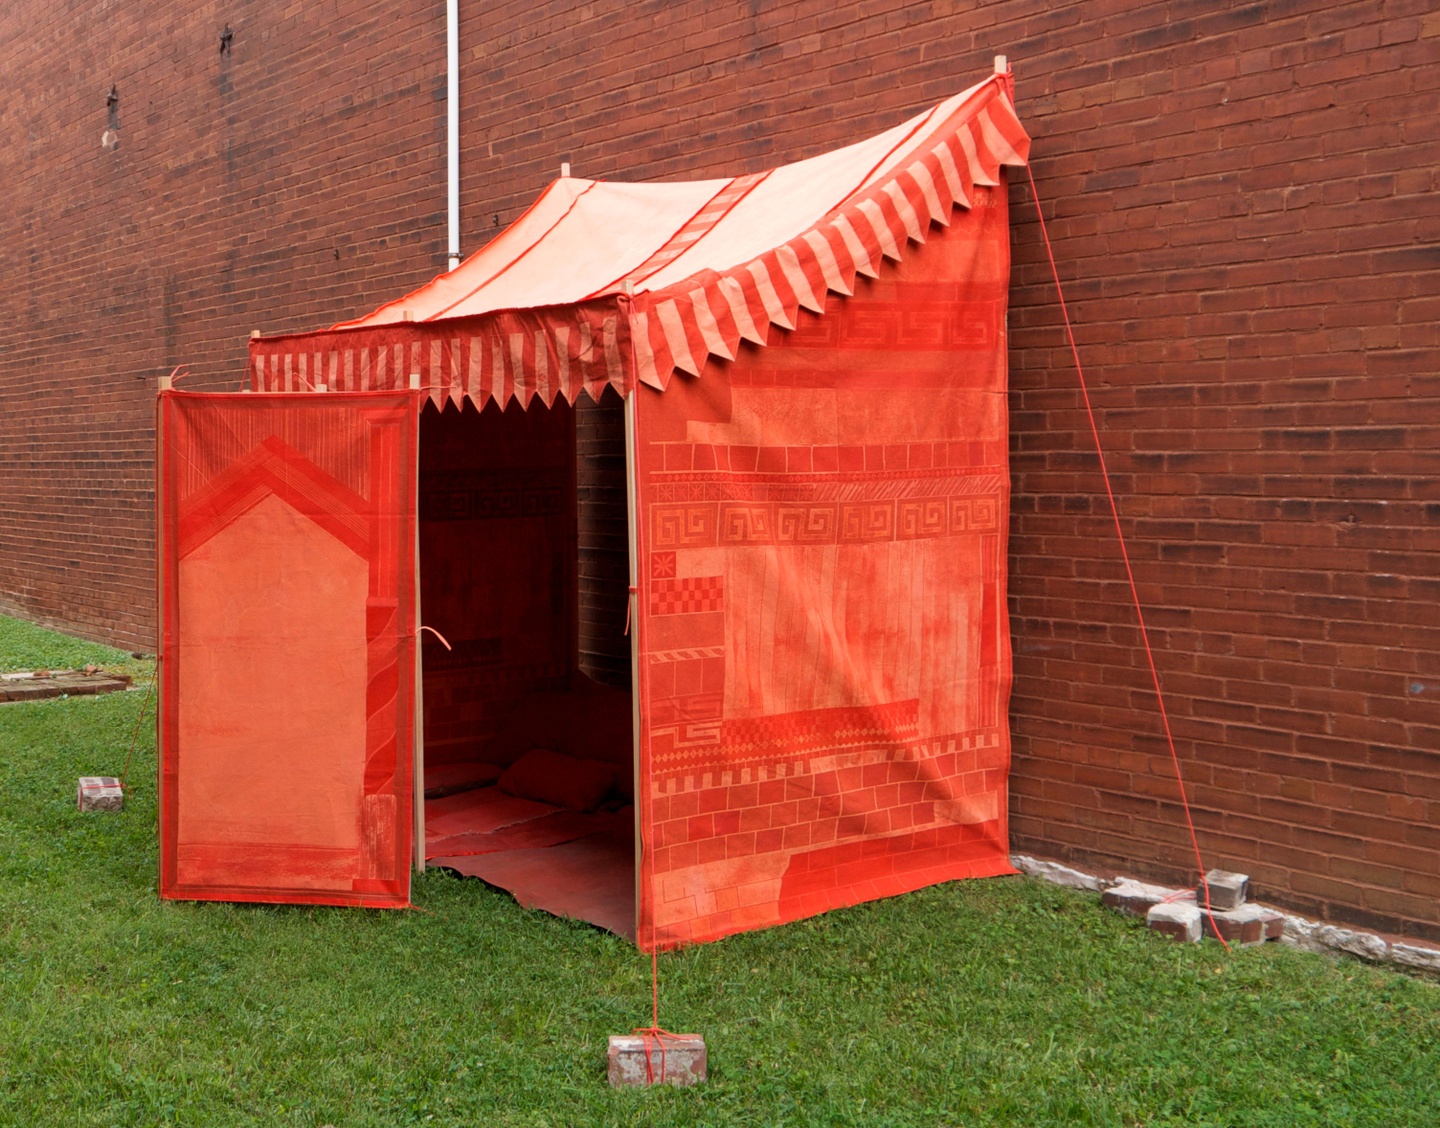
x,y
602,282
815,535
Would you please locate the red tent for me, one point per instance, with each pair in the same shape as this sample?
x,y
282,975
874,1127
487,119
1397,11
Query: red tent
x,y
813,371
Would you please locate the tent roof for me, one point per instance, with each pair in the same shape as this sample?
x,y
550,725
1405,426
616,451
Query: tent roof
x,y
608,282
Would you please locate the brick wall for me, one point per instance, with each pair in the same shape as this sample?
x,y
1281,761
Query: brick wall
x,y
1242,207
279,186
603,527
1245,218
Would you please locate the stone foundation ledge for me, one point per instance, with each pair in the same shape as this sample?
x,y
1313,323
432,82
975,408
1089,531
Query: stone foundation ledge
x,y
1129,895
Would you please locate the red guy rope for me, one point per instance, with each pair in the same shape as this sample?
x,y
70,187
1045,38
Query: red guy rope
x,y
135,735
654,1030
1124,555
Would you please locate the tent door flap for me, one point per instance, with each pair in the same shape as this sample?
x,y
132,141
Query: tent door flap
x,y
286,534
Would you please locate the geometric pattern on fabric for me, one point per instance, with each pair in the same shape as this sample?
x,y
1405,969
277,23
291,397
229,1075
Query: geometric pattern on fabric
x,y
687,596
288,658
520,355
824,653
806,522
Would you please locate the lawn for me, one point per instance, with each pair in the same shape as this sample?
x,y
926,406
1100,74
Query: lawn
x,y
1005,1001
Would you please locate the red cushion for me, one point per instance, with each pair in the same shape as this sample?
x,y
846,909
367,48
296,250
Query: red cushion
x,y
451,779
551,777
591,722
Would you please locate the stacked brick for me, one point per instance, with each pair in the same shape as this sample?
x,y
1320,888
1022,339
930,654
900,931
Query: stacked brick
x,y
43,684
1241,200
1216,908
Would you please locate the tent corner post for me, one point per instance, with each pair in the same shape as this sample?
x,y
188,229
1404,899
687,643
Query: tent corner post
x,y
1006,75
418,722
632,613
161,645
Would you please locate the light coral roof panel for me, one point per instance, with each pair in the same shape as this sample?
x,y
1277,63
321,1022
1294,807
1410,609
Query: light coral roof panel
x,y
793,198
578,238
581,238
478,269
611,228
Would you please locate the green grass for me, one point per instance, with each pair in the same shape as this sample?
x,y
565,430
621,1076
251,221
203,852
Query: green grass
x,y
1001,1002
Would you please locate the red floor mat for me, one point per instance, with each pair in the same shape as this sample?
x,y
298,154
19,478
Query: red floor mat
x,y
479,811
547,830
591,879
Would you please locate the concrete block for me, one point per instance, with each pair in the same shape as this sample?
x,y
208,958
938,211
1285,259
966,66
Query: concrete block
x,y
1134,897
1227,890
674,1059
1249,924
79,685
1179,920
99,793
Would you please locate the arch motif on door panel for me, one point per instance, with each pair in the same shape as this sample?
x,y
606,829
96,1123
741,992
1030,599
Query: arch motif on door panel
x,y
379,531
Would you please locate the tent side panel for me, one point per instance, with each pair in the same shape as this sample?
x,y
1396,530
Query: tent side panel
x,y
825,662
286,727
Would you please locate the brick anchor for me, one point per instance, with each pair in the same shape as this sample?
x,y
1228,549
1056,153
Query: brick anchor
x,y
1179,920
1246,926
1227,890
99,793
1135,898
684,1059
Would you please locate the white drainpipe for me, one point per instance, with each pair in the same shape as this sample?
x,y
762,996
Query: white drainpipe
x,y
452,110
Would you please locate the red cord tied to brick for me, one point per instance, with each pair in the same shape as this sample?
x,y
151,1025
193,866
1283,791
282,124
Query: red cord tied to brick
x,y
135,735
656,1036
654,1032
1125,556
